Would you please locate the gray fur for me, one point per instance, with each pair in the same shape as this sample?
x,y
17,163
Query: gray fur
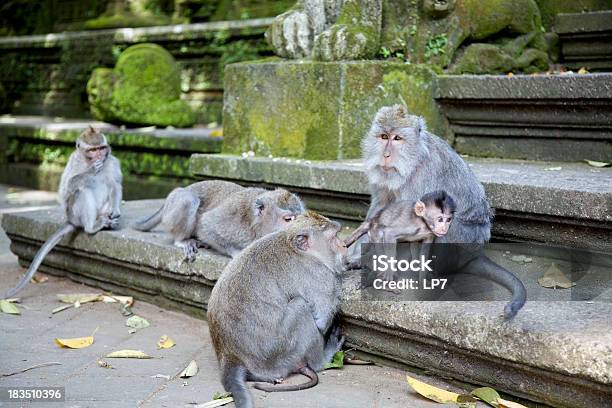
x,y
423,163
90,195
273,305
222,215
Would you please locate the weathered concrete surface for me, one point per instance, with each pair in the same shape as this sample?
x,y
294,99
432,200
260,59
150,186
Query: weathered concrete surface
x,y
543,117
586,39
560,354
34,149
571,205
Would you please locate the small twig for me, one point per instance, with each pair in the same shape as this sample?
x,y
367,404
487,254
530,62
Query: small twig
x,y
33,367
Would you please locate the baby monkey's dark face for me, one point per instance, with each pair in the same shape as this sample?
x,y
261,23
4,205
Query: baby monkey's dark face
x,y
96,153
437,220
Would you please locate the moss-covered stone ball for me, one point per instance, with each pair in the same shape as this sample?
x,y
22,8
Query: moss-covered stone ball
x,y
144,88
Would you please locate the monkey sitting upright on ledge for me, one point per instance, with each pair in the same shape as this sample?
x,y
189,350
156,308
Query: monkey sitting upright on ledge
x,y
90,194
403,161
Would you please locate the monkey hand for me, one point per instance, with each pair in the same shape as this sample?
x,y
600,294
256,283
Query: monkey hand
x,y
97,166
290,34
342,42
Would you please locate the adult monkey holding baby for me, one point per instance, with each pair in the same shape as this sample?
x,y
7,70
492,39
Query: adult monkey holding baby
x,y
403,161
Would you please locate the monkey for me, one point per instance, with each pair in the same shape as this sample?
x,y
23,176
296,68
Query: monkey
x,y
407,221
222,215
90,195
403,160
272,312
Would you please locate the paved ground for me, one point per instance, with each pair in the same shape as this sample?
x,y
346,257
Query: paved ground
x,y
28,339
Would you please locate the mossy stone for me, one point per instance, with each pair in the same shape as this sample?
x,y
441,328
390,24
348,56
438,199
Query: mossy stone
x,y
144,88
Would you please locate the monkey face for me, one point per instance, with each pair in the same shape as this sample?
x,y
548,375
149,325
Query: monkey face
x,y
317,236
96,153
275,210
438,222
391,147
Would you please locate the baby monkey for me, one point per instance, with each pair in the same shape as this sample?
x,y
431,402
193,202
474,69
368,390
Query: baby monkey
x,y
404,221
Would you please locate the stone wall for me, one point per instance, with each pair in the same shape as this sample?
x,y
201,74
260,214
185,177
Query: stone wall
x,y
47,74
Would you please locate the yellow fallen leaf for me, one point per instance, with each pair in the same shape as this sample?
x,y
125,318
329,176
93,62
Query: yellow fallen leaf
x,y
80,297
502,403
190,370
128,354
8,307
583,70
165,342
555,278
431,392
216,133
124,300
76,343
39,279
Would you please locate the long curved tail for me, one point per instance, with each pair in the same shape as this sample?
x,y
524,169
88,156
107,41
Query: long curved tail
x,y
147,224
40,255
483,266
306,371
234,381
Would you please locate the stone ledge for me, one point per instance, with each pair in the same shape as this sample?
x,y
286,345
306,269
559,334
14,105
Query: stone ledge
x,y
557,355
134,35
570,206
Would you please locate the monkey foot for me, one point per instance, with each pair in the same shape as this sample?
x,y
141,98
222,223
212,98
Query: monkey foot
x,y
278,380
190,249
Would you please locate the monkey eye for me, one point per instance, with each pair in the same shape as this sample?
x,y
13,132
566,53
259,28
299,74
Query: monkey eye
x,y
289,218
396,137
384,136
440,219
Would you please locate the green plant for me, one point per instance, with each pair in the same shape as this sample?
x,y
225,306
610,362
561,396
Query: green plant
x,y
435,45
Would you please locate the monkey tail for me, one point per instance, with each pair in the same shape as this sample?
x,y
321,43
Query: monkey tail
x,y
234,381
483,266
306,371
57,236
147,224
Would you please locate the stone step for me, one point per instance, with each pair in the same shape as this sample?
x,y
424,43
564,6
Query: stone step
x,y
34,149
542,117
555,351
557,203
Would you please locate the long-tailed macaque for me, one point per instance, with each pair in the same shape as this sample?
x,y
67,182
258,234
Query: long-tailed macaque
x,y
89,192
222,215
272,311
403,161
406,221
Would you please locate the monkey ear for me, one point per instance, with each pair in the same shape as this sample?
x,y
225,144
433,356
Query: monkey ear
x,y
259,207
421,126
301,242
91,129
419,208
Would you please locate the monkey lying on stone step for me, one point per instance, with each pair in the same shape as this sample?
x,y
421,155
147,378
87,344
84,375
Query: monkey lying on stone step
x,y
222,215
90,195
272,311
404,161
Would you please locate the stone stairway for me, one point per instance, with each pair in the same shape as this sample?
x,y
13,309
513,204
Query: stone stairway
x,y
556,351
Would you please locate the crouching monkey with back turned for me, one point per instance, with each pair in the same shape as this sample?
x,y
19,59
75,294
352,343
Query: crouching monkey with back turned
x,y
89,192
403,161
272,311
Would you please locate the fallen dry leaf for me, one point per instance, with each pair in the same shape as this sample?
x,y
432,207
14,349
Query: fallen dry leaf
x,y
137,322
502,403
555,278
128,354
75,343
79,297
103,364
599,164
215,403
190,370
486,394
39,279
124,300
61,308
432,393
165,342
583,70
8,307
